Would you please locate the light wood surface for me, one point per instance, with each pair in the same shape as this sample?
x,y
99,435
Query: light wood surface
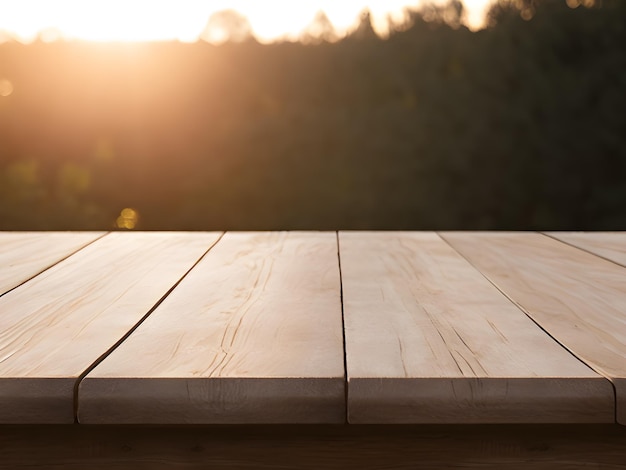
x,y
253,334
23,255
56,325
430,340
439,328
577,297
609,245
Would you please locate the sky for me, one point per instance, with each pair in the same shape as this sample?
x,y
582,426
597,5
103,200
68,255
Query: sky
x,y
184,20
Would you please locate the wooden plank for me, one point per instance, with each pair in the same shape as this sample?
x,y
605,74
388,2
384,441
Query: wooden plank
x,y
56,325
609,245
306,447
23,255
430,340
577,297
253,334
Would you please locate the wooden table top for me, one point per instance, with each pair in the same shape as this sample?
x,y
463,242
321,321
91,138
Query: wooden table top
x,y
312,327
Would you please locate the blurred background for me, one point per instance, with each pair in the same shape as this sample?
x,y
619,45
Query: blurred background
x,y
430,117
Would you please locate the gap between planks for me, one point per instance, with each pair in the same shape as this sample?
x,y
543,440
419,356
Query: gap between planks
x,y
343,325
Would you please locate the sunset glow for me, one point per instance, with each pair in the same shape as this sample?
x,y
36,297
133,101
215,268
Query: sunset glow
x,y
159,20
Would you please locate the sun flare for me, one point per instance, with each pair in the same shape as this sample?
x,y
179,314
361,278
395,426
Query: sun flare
x,y
99,20
162,20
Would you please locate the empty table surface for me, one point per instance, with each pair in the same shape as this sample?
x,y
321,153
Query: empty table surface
x,y
312,327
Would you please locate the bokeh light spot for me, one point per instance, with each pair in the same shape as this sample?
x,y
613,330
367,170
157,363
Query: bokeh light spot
x,y
128,219
527,14
6,87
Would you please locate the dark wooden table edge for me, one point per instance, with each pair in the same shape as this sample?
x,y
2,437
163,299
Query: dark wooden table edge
x,y
313,446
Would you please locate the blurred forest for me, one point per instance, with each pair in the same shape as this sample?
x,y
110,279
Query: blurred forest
x,y
521,125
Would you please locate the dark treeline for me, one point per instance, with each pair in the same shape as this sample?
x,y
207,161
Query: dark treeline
x,y
518,126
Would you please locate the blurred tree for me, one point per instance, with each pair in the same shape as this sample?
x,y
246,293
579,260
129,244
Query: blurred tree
x,y
364,29
227,26
454,13
320,30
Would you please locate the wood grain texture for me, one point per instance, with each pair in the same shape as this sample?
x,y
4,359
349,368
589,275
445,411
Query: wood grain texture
x,y
577,297
253,334
56,325
314,447
23,255
609,245
430,340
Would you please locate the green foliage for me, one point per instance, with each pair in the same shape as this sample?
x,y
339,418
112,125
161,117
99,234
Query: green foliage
x,y
518,126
